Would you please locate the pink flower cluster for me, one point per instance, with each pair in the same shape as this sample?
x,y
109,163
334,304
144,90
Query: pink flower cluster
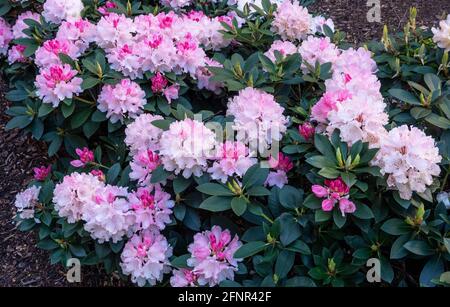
x,y
26,202
85,157
20,24
56,83
80,32
186,147
233,158
410,159
334,191
258,118
124,98
142,135
291,21
212,259
317,49
146,257
142,166
56,11
285,48
41,173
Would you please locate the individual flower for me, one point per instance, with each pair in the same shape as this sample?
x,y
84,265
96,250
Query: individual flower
x,y
80,32
152,207
291,21
281,166
176,4
15,54
108,215
442,34
335,191
85,155
73,193
124,98
26,202
171,92
114,30
6,36
285,48
20,24
318,23
159,83
360,118
212,256
56,11
233,158
186,146
48,53
41,173
307,130
99,174
258,118
104,10
204,75
146,257
56,83
143,165
317,49
142,134
410,159
183,278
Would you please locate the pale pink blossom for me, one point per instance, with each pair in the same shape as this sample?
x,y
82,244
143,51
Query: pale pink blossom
x,y
442,34
183,278
410,159
204,75
15,54
291,21
6,36
56,83
317,50
233,158
146,257
152,207
280,166
126,98
212,256
186,147
285,48
48,53
142,134
26,202
74,193
20,25
258,118
114,30
105,9
80,32
171,92
142,166
56,11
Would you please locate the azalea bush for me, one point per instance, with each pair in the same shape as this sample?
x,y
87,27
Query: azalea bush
x,y
231,143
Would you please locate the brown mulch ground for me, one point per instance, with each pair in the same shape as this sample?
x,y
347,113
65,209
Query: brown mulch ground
x,y
350,16
22,264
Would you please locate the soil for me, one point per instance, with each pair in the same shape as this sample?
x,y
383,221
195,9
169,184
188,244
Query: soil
x,y
22,264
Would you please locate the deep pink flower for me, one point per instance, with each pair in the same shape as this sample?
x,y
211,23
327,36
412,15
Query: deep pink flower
x,y
319,191
306,130
283,163
346,206
338,186
328,204
159,82
104,10
334,191
99,174
86,156
41,173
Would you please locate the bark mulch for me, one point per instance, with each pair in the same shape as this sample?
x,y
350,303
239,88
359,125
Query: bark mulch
x,y
24,265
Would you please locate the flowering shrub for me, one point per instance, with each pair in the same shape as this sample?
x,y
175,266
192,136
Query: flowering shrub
x,y
231,143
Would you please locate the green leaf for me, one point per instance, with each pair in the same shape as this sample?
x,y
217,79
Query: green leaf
x,y
420,248
397,249
113,173
159,174
312,202
395,227
47,244
180,184
19,122
214,189
80,118
284,263
258,191
339,220
363,212
322,216
102,250
290,197
255,175
300,281
216,204
323,145
299,247
45,109
89,83
249,249
238,205
404,96
77,251
181,261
